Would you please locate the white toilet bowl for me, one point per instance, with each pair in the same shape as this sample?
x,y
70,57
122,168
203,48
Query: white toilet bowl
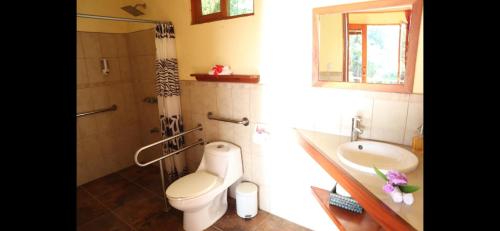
x,y
202,195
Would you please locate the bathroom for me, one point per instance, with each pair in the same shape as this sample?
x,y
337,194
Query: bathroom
x,y
269,43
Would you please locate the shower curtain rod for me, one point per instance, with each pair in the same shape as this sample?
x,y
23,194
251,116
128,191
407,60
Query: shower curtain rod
x,y
117,19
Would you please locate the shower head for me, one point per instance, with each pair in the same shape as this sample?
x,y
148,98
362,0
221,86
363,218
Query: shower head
x,y
133,9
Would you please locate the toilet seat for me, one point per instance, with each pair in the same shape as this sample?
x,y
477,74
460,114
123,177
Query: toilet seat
x,y
192,185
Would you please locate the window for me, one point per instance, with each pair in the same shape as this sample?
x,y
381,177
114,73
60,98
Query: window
x,y
213,10
355,55
383,54
376,53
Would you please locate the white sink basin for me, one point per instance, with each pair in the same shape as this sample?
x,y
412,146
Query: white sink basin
x,y
364,155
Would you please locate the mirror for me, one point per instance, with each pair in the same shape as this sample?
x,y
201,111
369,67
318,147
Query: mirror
x,y
368,45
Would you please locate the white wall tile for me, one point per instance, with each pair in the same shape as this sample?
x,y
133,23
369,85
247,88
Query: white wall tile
x,y
241,101
356,105
415,117
185,98
242,139
263,168
209,98
327,114
209,127
196,96
226,131
224,101
255,103
389,117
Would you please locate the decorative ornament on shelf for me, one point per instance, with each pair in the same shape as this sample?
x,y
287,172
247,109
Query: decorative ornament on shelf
x,y
397,186
220,70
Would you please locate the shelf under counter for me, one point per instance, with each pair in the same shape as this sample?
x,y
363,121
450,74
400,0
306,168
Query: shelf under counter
x,y
364,187
345,220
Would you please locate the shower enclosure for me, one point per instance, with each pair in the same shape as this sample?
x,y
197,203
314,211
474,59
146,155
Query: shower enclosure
x,y
118,113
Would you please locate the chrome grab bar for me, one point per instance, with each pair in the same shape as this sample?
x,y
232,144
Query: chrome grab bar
x,y
243,121
200,141
112,108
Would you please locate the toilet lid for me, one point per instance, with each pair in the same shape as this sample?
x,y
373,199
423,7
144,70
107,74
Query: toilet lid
x,y
192,185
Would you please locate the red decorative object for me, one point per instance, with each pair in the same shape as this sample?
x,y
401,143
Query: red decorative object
x,y
217,69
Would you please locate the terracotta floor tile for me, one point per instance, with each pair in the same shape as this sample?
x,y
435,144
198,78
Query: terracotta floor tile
x,y
105,222
287,225
213,228
143,209
138,211
162,221
275,223
105,184
152,181
133,172
272,223
122,195
232,222
87,207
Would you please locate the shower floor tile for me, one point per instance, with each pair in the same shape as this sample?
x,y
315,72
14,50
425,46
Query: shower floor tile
x,y
88,208
132,199
133,172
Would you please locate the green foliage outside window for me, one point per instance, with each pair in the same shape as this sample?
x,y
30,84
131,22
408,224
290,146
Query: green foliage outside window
x,y
237,7
210,6
355,56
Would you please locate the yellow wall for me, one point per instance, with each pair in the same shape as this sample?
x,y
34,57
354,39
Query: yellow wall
x,y
331,42
234,42
112,8
377,18
276,42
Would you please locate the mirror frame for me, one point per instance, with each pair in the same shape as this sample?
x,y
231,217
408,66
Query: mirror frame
x,y
413,37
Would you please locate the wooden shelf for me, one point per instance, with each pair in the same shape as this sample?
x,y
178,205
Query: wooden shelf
x,y
228,78
377,210
344,219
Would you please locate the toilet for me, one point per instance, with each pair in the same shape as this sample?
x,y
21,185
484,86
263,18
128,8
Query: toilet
x,y
202,195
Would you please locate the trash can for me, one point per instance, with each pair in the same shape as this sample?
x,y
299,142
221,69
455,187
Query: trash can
x,y
246,200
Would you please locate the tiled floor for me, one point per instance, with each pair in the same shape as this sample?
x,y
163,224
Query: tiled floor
x,y
132,199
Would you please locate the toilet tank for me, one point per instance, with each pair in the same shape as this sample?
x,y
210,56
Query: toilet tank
x,y
222,159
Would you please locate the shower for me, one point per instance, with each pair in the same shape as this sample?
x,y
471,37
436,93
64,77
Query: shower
x,y
133,9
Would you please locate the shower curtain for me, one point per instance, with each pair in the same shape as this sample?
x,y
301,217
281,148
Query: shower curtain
x,y
169,106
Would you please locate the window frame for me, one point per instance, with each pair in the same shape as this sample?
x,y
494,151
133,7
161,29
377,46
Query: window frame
x,y
197,17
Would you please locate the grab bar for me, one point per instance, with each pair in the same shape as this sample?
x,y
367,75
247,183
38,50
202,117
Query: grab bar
x,y
112,108
199,127
243,121
200,141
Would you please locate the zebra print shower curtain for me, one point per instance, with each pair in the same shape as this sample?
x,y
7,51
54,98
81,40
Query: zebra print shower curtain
x,y
169,106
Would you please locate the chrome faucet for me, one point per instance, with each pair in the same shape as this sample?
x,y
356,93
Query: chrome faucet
x,y
355,130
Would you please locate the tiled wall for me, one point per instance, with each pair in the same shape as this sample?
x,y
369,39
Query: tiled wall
x,y
283,171
105,141
142,59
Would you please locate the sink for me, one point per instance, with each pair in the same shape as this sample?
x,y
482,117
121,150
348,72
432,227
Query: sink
x,y
364,155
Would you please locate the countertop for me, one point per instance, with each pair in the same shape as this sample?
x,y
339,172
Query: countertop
x,y
327,145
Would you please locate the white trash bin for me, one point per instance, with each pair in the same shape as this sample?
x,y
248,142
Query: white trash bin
x,y
246,200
